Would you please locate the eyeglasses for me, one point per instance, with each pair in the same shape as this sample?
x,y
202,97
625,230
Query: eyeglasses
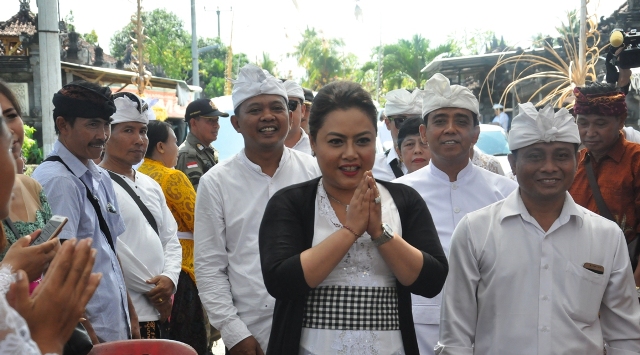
x,y
293,105
399,120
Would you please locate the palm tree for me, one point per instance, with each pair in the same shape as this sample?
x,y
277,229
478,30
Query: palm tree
x,y
268,64
322,59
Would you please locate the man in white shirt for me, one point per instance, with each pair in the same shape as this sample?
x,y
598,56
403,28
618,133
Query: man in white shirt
x,y
501,119
149,250
536,273
297,138
401,105
230,203
450,185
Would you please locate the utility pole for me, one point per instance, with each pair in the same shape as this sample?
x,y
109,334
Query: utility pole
x,y
218,13
194,51
50,70
583,38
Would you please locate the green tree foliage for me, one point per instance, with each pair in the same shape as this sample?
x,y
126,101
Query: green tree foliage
x,y
268,64
30,150
402,63
168,49
91,38
323,59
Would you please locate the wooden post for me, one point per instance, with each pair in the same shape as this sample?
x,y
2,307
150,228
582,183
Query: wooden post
x,y
50,70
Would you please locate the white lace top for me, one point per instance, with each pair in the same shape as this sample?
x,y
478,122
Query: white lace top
x,y
15,338
361,266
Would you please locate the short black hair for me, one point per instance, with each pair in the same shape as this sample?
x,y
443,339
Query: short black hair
x,y
340,95
473,114
410,127
157,131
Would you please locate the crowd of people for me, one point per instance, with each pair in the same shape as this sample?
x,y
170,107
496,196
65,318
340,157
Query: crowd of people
x,y
308,241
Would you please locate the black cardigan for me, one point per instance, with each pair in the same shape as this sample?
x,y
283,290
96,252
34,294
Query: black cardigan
x,y
287,230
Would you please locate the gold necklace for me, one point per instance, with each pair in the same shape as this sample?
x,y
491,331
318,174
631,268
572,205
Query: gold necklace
x,y
338,201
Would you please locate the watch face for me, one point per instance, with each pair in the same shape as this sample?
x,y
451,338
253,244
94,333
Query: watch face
x,y
387,229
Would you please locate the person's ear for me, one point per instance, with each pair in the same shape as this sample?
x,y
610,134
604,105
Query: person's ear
x,y
512,163
622,119
423,134
303,110
476,133
234,123
62,124
387,122
160,147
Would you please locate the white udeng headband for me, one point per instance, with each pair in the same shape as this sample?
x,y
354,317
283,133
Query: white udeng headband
x,y
253,81
127,111
531,126
439,93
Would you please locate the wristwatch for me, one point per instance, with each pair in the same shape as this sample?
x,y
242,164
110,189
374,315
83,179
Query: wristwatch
x,y
387,235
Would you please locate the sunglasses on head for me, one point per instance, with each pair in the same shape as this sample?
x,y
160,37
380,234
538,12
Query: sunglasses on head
x,y
399,120
293,105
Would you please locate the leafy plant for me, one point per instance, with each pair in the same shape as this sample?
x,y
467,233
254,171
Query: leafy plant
x,y
30,150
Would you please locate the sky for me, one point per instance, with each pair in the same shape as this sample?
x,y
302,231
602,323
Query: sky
x,y
275,26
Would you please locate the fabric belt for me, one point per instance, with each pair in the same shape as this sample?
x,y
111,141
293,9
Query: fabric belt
x,y
352,308
185,235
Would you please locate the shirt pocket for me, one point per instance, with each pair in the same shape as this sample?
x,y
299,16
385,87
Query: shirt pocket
x,y
583,291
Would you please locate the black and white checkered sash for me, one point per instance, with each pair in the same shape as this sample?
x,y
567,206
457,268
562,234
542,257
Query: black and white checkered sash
x,y
352,308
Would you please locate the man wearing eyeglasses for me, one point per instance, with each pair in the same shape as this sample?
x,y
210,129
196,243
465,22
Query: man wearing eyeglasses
x,y
196,155
401,105
297,138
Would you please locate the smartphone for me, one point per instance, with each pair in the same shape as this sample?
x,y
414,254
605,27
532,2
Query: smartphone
x,y
51,229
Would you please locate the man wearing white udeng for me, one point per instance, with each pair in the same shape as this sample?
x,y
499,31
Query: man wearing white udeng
x,y
231,200
450,185
536,273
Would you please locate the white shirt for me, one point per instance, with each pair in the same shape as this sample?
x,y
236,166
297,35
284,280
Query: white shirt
x,y
362,266
448,202
631,134
381,168
514,289
231,200
503,120
142,253
303,144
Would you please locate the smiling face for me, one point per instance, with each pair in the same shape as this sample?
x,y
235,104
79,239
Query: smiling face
x,y
545,171
599,133
15,124
414,153
263,121
85,137
7,170
345,148
450,133
128,143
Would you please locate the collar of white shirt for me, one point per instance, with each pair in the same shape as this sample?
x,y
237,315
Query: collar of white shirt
x,y
256,168
513,206
441,175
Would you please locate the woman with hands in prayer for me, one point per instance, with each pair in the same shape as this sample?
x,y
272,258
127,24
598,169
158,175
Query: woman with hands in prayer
x,y
342,253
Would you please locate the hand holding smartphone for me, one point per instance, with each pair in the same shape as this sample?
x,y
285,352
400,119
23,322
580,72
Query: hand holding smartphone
x,y
50,230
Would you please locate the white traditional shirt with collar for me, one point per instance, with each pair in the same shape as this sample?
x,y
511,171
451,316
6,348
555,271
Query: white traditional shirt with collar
x,y
514,288
143,253
303,144
448,203
381,168
231,200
